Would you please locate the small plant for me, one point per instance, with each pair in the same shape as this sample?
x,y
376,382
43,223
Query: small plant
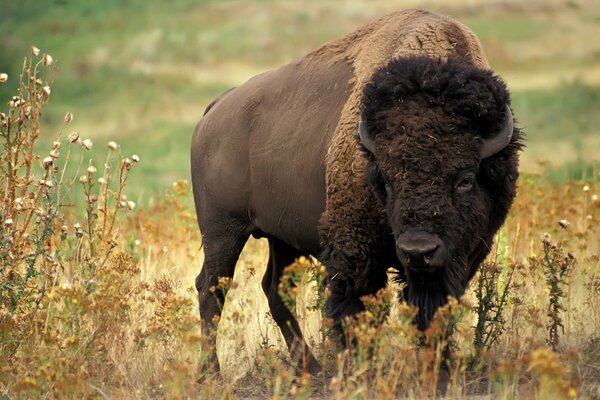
x,y
28,213
294,275
63,286
552,375
492,289
557,269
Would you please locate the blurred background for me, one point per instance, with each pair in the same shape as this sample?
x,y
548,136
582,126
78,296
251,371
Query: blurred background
x,y
140,72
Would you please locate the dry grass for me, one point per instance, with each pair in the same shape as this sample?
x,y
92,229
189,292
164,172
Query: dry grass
x,y
96,299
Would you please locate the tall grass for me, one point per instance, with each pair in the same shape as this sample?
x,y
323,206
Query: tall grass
x,y
96,297
74,309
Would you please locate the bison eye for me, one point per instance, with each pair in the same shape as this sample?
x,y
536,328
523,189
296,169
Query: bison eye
x,y
388,188
386,184
465,183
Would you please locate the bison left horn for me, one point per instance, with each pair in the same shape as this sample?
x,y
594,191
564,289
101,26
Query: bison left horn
x,y
364,136
501,139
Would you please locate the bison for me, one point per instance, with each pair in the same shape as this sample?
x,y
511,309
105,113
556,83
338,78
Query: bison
x,y
394,146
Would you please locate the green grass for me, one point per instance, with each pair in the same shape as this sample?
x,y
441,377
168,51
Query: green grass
x,y
163,150
570,110
506,28
562,129
141,72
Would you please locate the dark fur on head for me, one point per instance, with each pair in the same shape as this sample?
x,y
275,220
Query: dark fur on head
x,y
428,118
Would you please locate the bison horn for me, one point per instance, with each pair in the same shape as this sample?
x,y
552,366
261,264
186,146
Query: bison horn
x,y
493,145
364,136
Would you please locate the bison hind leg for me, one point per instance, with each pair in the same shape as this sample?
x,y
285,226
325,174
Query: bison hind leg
x,y
280,256
223,243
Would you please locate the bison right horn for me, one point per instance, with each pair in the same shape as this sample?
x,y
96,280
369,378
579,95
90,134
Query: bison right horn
x,y
364,136
499,141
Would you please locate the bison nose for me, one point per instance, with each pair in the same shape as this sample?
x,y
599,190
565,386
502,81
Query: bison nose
x,y
421,251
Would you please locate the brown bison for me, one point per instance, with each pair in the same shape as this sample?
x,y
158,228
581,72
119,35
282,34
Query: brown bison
x,y
391,147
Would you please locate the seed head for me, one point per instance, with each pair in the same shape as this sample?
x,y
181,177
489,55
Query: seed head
x,y
545,238
93,198
68,117
73,137
47,59
48,183
564,223
15,102
83,179
594,198
78,230
91,169
8,222
102,181
35,51
135,158
47,90
87,144
112,145
3,77
54,153
130,205
586,188
47,162
127,163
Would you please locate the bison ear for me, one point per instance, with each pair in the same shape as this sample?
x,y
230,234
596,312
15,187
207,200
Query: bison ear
x,y
364,137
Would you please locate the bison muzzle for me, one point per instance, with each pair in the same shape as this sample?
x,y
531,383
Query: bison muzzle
x,y
394,146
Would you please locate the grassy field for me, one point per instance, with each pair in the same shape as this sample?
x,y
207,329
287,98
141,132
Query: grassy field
x,y
141,73
97,297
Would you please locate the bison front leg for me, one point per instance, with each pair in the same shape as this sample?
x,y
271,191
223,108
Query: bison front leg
x,y
349,279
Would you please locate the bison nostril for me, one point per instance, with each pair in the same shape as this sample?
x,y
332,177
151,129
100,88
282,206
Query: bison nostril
x,y
418,250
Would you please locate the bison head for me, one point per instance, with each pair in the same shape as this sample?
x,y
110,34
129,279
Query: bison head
x,y
443,154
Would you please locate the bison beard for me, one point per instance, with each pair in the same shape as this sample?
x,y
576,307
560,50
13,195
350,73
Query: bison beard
x,y
429,292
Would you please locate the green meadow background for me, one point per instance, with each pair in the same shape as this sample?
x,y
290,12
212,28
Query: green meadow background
x,y
140,72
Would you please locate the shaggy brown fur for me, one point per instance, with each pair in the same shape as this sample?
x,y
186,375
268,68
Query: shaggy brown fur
x,y
348,224
401,34
426,119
